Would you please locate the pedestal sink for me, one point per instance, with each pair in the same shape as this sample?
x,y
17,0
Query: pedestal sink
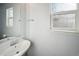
x,y
16,50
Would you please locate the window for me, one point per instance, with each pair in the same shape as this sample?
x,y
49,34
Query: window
x,y
63,16
9,17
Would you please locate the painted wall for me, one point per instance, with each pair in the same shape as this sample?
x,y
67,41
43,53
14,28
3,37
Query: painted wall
x,y
45,42
1,21
19,19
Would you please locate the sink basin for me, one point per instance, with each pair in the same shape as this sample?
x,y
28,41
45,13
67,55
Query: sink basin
x,y
17,49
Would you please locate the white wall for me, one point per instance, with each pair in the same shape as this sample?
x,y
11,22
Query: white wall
x,y
44,40
1,19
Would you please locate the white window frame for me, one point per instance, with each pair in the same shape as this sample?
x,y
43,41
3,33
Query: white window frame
x,y
62,13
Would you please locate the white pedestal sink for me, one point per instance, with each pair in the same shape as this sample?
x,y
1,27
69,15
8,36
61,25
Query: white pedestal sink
x,y
17,49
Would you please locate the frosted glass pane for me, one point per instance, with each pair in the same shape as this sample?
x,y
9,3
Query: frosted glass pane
x,y
10,22
9,17
57,7
10,12
64,21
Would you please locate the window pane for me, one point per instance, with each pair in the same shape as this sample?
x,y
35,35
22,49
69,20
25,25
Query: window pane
x,y
10,22
9,17
10,12
64,21
58,7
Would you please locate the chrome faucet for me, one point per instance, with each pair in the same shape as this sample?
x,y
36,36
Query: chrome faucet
x,y
13,43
